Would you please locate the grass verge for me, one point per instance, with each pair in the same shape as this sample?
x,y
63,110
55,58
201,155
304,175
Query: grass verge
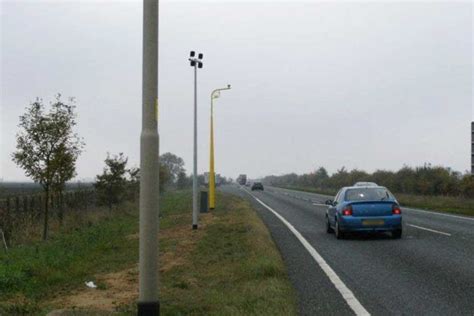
x,y
233,268
446,204
229,266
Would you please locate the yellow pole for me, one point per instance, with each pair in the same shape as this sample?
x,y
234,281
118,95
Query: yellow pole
x,y
212,174
212,178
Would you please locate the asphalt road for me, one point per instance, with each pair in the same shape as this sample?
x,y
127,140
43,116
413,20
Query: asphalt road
x,y
430,271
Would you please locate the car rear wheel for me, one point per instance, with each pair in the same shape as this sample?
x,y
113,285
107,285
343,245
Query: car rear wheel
x,y
329,229
397,234
339,233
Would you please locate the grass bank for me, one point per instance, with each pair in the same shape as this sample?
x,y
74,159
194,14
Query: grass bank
x,y
446,204
229,266
31,273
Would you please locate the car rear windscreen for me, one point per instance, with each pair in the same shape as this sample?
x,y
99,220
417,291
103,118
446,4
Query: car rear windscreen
x,y
368,194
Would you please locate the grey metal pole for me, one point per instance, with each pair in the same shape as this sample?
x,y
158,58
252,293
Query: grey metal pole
x,y
148,303
195,177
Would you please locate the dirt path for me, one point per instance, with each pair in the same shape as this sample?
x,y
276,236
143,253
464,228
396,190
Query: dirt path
x,y
115,290
118,291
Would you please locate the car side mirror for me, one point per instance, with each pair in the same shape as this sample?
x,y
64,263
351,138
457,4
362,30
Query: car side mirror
x,y
329,202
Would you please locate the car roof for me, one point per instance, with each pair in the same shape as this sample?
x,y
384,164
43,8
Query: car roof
x,y
365,184
365,187
344,190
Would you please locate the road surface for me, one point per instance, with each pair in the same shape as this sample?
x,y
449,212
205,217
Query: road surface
x,y
430,271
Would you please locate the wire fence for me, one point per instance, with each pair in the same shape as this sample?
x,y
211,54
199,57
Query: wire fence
x,y
15,209
34,204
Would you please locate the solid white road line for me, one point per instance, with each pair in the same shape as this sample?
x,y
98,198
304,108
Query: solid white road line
x,y
347,294
320,204
437,213
430,230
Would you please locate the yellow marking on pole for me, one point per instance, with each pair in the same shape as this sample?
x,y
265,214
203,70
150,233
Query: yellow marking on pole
x,y
156,110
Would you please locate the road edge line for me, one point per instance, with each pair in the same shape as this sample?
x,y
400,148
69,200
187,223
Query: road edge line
x,y
346,293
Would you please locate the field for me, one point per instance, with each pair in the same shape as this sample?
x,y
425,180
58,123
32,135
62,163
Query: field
x,y
28,188
228,266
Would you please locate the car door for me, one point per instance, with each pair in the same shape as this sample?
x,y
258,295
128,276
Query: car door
x,y
332,208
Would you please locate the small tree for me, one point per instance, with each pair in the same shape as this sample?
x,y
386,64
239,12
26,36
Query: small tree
x,y
173,164
47,144
164,177
134,182
111,185
183,180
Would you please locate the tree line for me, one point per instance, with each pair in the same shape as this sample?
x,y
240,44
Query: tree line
x,y
422,180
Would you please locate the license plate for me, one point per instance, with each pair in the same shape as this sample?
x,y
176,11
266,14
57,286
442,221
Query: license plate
x,y
373,222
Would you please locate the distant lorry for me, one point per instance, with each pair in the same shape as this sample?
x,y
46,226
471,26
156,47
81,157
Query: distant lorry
x,y
242,179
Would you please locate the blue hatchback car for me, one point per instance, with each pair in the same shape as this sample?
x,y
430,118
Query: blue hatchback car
x,y
364,209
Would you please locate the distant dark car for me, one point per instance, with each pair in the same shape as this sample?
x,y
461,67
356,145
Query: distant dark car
x,y
364,209
257,186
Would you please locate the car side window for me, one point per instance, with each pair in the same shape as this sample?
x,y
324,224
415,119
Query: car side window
x,y
338,195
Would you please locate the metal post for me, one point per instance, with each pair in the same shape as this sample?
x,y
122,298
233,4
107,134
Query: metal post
x,y
148,303
196,63
195,177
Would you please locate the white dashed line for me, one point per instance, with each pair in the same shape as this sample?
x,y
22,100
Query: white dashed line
x,y
440,214
320,204
430,230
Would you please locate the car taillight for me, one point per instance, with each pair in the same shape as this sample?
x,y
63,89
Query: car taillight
x,y
396,210
347,211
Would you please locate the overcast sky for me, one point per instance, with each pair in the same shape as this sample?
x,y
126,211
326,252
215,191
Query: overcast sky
x,y
360,85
